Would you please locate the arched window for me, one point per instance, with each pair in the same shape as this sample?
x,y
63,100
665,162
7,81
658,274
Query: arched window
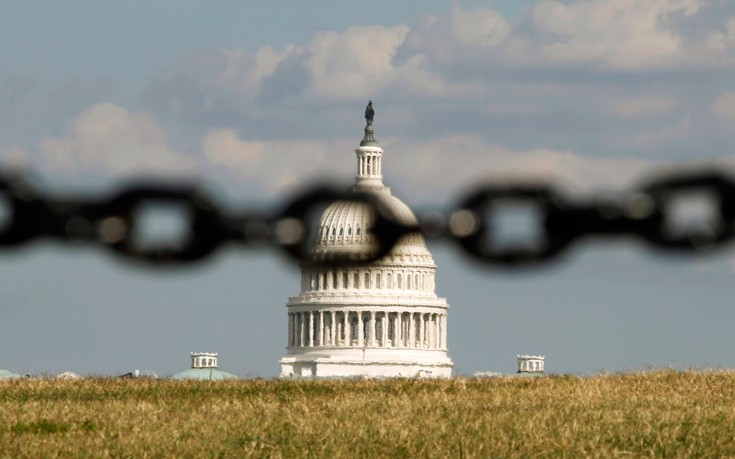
x,y
408,282
388,281
377,281
398,281
335,280
356,283
357,231
367,280
345,280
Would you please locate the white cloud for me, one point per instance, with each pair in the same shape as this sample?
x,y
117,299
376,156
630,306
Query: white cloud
x,y
434,170
481,27
359,63
463,58
274,167
643,106
14,158
108,140
620,34
602,35
443,167
722,41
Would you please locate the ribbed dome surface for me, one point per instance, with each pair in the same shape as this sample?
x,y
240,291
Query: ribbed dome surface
x,y
203,374
346,225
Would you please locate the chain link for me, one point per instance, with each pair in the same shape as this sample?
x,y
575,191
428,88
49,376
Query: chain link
x,y
646,213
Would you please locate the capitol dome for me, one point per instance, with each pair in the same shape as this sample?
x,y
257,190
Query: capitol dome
x,y
377,320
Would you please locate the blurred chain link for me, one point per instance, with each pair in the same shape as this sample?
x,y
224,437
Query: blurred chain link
x,y
647,213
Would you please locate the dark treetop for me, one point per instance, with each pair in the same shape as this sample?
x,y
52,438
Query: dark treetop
x,y
369,112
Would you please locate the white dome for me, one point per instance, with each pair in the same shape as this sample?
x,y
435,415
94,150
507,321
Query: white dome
x,y
345,227
379,319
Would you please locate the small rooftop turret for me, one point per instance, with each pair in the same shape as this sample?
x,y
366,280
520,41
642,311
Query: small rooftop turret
x,y
204,368
532,365
204,360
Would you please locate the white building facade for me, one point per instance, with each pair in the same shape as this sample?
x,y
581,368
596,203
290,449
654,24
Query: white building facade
x,y
531,364
378,320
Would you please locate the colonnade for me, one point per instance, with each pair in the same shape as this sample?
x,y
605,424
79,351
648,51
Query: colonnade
x,y
368,164
367,279
530,364
372,328
203,360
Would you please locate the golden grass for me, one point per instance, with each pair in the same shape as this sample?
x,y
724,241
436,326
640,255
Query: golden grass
x,y
655,414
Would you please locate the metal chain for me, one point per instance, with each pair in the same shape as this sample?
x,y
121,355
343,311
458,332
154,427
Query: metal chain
x,y
645,213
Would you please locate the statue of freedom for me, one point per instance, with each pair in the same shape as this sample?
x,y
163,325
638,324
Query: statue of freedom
x,y
369,113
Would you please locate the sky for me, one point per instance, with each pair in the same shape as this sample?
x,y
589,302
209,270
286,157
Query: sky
x,y
259,101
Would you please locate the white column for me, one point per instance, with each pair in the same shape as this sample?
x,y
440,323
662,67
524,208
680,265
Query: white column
x,y
397,329
332,329
311,329
348,338
372,328
384,330
444,335
421,330
438,331
440,325
360,335
321,328
411,332
430,329
301,329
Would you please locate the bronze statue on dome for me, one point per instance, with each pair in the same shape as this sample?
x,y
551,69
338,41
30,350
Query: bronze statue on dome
x,y
369,113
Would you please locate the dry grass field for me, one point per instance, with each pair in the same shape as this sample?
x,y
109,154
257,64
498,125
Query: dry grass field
x,y
649,414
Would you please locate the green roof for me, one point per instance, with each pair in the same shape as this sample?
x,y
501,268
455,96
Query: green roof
x,y
5,374
204,374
